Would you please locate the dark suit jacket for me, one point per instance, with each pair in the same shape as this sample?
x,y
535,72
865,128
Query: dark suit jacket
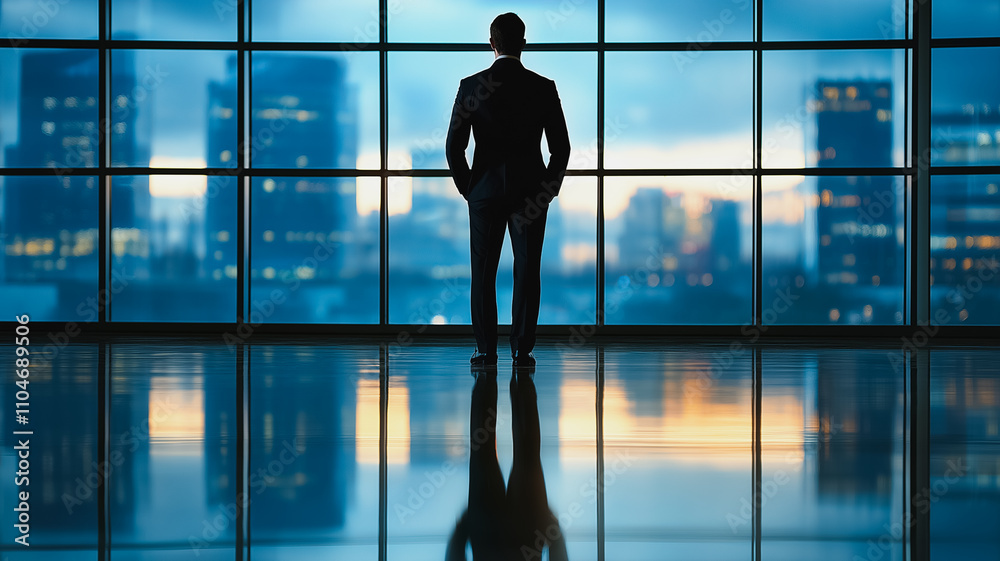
x,y
507,107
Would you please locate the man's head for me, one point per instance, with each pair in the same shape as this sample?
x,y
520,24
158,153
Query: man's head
x,y
507,34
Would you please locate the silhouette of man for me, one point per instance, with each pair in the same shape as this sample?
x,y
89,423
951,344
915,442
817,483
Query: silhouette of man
x,y
509,187
515,523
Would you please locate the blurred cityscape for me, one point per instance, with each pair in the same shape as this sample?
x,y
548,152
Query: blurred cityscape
x,y
835,245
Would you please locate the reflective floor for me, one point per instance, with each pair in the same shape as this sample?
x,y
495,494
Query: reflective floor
x,y
154,449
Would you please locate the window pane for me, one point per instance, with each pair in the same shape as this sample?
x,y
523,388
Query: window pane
x,y
172,108
833,109
678,250
48,108
59,19
314,250
965,107
672,110
569,259
173,428
429,264
420,104
63,388
174,20
315,110
702,22
966,18
965,243
173,248
792,20
48,230
465,21
833,250
422,89
355,21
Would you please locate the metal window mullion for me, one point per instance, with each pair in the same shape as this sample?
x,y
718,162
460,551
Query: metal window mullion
x,y
600,273
242,195
384,165
920,219
758,280
383,477
758,187
103,159
917,516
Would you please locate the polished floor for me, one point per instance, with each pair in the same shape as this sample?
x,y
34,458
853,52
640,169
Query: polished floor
x,y
158,449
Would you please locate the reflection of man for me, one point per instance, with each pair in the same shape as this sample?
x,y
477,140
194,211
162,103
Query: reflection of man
x,y
507,107
513,523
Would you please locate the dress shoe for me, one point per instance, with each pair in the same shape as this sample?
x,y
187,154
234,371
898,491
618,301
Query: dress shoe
x,y
523,359
482,359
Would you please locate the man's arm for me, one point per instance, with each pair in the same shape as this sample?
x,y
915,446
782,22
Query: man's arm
x,y
457,142
557,138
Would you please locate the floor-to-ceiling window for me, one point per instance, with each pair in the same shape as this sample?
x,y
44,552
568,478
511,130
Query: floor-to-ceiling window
x,y
734,163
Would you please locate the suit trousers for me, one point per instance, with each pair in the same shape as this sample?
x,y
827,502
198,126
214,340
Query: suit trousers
x,y
488,221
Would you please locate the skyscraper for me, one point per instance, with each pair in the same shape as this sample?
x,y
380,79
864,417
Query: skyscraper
x,y
856,217
50,224
302,116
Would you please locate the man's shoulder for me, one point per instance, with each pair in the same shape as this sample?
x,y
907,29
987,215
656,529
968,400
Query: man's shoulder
x,y
523,74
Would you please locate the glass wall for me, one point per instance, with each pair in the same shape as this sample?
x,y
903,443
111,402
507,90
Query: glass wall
x,y
964,163
733,151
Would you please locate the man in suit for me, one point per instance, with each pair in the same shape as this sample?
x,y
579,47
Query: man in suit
x,y
507,108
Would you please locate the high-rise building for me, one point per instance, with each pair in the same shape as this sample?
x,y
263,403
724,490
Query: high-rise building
x,y
724,249
50,223
654,222
302,116
854,128
965,211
